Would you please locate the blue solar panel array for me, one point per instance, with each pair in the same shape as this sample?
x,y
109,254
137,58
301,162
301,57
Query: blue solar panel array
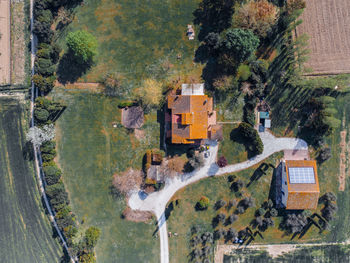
x,y
301,175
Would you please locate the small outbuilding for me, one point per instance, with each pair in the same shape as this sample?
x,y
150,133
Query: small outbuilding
x,y
132,117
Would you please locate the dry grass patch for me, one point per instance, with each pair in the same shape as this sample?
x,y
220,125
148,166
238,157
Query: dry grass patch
x,y
127,181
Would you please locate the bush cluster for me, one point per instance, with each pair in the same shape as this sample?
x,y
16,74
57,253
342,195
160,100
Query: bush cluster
x,y
201,245
244,204
48,53
57,194
294,222
251,138
46,111
330,207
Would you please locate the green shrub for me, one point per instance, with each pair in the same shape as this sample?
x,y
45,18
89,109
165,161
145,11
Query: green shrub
x,y
41,115
248,116
243,72
52,174
273,212
48,147
57,195
44,84
83,45
252,139
124,104
47,157
92,235
44,66
260,212
203,203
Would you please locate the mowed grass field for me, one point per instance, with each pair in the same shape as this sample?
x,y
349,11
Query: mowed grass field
x,y
139,39
26,235
327,24
90,152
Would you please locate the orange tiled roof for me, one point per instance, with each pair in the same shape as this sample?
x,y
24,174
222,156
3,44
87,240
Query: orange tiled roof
x,y
302,195
190,115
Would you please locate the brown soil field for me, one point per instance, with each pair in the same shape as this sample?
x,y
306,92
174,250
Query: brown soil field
x,y
5,53
327,23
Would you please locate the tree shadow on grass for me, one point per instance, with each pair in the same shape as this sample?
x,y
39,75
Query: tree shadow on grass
x,y
69,70
237,137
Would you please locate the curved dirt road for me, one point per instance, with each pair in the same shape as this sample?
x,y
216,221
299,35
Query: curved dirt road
x,y
156,202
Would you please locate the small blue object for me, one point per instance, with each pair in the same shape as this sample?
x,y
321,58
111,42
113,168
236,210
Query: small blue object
x,y
261,128
264,115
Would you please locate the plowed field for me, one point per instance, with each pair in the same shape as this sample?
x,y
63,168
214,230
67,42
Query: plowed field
x,y
25,232
327,23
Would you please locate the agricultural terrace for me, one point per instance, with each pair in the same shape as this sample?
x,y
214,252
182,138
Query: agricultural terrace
x,y
326,23
25,231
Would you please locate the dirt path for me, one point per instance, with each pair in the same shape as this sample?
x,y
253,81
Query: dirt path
x,y
274,250
5,42
343,160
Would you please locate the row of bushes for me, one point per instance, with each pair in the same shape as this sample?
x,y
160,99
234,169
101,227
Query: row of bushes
x,y
47,54
46,111
57,194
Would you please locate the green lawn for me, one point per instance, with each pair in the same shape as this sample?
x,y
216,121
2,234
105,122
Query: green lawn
x,y
139,39
233,151
25,231
90,152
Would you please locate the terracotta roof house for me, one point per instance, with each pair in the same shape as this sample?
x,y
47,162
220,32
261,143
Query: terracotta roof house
x,y
190,115
299,184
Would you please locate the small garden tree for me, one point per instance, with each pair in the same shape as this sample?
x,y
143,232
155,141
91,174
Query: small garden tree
x,y
203,203
222,162
149,93
219,204
83,46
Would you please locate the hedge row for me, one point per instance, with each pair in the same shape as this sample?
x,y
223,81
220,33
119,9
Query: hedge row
x,y
46,111
57,194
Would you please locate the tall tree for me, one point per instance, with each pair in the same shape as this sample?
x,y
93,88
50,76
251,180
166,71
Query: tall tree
x,y
83,45
241,43
259,16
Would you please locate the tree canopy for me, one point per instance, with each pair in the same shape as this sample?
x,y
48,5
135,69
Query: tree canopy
x,y
259,16
83,45
241,43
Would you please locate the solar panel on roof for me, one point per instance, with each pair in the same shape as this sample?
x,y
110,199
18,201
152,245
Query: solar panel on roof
x,y
301,175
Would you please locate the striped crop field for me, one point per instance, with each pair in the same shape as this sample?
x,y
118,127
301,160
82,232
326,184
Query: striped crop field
x,y
25,232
